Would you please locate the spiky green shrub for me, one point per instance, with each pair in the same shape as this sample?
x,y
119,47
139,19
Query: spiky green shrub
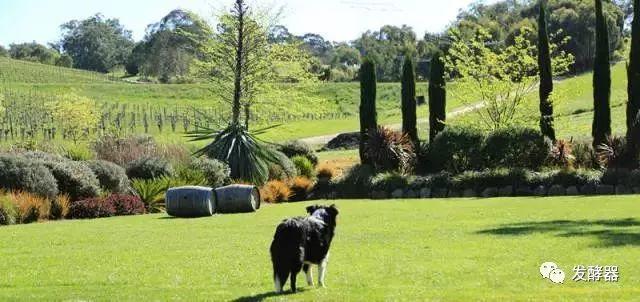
x,y
304,166
151,193
149,168
515,148
8,211
247,156
215,172
112,177
20,174
456,149
390,151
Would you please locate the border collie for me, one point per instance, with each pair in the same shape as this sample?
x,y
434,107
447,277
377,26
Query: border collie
x,y
300,242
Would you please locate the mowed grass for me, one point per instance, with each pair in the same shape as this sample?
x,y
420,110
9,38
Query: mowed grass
x,y
411,250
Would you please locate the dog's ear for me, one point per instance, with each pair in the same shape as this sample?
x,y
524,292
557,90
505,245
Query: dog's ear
x,y
311,209
333,210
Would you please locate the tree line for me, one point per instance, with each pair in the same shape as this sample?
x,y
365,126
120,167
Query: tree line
x,y
165,53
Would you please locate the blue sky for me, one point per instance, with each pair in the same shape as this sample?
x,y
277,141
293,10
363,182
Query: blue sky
x,y
339,20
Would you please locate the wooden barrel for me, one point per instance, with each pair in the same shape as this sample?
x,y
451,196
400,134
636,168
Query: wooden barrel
x,y
237,199
190,201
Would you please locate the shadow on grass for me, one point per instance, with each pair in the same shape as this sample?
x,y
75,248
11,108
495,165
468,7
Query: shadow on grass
x,y
263,296
614,235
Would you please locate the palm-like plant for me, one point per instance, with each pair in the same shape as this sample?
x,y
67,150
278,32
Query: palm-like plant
x,y
389,150
151,192
248,157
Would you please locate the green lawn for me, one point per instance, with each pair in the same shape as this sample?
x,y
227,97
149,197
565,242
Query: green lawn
x,y
453,250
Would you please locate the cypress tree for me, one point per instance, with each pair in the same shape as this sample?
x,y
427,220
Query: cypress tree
x,y
437,97
633,87
409,123
368,115
546,78
601,128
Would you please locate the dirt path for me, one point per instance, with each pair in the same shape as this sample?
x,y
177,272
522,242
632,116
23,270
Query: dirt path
x,y
324,139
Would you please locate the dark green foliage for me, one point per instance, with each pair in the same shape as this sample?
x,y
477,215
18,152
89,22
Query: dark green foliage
x,y
76,179
615,177
601,128
437,98
576,178
33,52
409,119
633,88
247,156
112,177
390,151
497,178
149,168
18,173
96,43
368,115
295,148
304,166
546,77
390,181
215,172
515,148
356,182
64,61
456,149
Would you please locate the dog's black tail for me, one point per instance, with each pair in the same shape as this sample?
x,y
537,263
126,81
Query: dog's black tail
x,y
287,252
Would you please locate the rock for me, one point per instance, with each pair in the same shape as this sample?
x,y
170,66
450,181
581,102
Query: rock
x,y
573,191
506,191
425,193
397,193
344,141
605,189
524,191
588,189
440,193
623,190
540,191
557,190
469,193
410,194
490,192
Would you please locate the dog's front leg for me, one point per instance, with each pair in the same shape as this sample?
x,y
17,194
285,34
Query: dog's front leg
x,y
307,271
322,270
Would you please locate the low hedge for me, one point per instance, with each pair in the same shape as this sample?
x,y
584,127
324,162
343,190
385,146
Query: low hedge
x,y
149,168
20,174
112,177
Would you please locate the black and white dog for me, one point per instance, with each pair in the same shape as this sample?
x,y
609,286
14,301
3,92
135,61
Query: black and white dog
x,y
300,242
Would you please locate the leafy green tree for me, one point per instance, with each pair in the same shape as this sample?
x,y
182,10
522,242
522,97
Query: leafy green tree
x,y
3,52
96,43
409,119
601,128
633,87
64,60
546,77
497,79
33,52
368,114
170,45
383,47
437,97
76,115
238,56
